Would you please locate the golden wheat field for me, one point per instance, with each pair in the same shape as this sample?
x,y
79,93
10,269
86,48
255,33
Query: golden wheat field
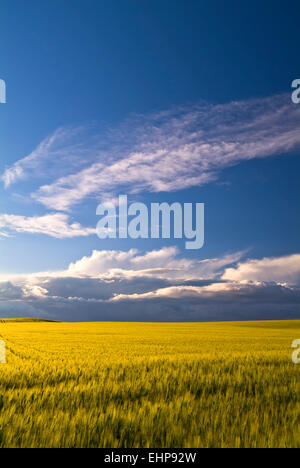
x,y
149,385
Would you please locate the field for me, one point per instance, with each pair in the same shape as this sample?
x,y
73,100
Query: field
x,y
149,385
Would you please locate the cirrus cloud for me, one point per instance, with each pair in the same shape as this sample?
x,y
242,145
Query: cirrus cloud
x,y
163,152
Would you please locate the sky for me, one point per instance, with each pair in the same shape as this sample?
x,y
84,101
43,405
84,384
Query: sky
x,y
164,101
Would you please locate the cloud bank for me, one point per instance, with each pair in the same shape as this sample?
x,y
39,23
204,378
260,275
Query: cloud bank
x,y
157,286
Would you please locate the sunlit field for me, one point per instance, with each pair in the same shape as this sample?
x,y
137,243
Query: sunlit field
x,y
149,385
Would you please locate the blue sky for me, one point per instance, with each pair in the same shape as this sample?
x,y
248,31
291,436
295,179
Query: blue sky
x,y
164,101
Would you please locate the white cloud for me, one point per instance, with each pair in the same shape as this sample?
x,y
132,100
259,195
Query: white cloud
x,y
67,149
280,270
179,149
168,151
164,263
55,225
215,290
181,292
174,292
127,264
111,265
158,285
4,234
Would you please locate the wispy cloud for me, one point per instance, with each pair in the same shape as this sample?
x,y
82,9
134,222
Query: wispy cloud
x,y
66,150
4,234
171,151
54,225
214,290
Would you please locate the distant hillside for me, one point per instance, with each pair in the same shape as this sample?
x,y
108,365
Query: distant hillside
x,y
22,320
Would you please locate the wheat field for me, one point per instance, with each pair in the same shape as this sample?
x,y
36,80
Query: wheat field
x,y
149,385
